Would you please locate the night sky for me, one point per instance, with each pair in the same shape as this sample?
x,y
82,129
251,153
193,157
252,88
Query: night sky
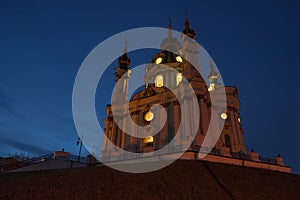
x,y
43,43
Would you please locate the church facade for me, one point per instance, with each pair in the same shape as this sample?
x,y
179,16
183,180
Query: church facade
x,y
231,138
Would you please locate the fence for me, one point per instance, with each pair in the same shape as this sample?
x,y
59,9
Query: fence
x,y
175,149
40,159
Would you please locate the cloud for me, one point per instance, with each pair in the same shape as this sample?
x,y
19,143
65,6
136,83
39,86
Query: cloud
x,y
5,104
28,148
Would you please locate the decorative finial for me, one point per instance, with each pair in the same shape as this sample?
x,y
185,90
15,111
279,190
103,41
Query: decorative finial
x,y
170,28
170,23
124,60
126,46
186,18
187,30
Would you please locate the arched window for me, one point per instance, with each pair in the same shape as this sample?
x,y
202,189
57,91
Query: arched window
x,y
178,78
159,81
148,141
227,141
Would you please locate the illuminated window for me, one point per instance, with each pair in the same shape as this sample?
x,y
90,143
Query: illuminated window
x,y
211,87
239,120
178,78
178,59
158,60
149,116
159,81
148,139
224,115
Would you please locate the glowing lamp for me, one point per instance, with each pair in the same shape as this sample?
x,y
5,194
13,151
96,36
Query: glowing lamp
x,y
149,116
158,60
178,59
224,115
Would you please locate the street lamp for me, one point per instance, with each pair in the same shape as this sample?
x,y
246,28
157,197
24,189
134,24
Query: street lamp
x,y
79,142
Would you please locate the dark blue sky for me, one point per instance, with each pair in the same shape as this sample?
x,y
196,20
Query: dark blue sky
x,y
255,45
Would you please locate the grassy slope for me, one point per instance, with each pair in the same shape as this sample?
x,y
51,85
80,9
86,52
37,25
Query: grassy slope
x,y
181,180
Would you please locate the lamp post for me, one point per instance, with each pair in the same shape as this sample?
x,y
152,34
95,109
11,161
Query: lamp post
x,y
79,142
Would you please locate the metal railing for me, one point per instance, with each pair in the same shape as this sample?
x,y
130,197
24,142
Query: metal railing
x,y
173,149
27,162
76,159
267,160
195,149
241,155
35,160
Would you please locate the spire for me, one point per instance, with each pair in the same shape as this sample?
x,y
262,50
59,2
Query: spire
x,y
126,46
170,24
124,60
186,20
170,28
187,30
170,43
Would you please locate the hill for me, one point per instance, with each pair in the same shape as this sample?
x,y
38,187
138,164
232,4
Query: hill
x,y
181,180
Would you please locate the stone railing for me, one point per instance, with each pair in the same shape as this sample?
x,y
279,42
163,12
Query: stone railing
x,y
252,156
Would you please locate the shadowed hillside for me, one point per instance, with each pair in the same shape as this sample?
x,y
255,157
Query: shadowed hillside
x,y
181,180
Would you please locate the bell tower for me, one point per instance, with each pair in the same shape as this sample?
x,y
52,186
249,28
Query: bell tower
x,y
232,134
190,50
122,73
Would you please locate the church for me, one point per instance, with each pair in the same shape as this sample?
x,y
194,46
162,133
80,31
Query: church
x,y
230,147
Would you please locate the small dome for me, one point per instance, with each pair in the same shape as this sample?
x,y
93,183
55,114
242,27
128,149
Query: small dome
x,y
124,61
